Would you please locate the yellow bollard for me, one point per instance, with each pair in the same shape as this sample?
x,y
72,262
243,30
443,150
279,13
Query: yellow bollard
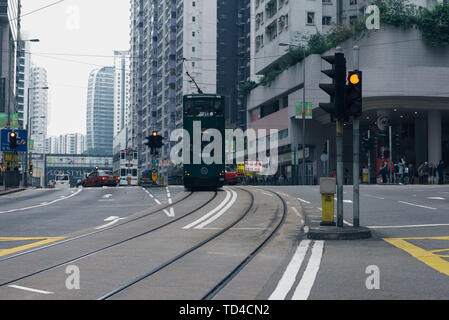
x,y
328,205
328,190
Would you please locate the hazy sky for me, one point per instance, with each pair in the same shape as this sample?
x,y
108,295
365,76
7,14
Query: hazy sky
x,y
73,33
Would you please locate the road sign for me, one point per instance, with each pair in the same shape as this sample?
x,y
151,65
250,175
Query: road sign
x,y
154,173
21,140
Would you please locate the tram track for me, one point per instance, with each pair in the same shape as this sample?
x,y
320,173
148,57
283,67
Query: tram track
x,y
115,244
158,210
228,278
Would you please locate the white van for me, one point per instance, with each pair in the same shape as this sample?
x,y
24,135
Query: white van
x,y
62,181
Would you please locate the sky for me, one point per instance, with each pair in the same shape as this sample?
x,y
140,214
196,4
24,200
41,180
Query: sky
x,y
76,37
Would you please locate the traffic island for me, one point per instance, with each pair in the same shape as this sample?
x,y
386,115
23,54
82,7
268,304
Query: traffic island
x,y
336,233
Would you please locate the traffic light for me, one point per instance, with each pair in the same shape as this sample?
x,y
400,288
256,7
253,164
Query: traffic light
x,y
336,89
354,94
30,169
154,142
12,140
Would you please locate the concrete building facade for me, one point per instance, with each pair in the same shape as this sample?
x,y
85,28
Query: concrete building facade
x,y
404,86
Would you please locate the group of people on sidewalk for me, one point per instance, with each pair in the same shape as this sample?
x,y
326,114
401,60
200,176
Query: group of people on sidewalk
x,y
426,173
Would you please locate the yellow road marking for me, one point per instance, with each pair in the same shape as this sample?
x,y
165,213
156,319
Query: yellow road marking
x,y
39,242
428,257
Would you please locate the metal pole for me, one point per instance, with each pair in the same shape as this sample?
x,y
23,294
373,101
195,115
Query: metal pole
x,y
369,160
356,160
304,120
391,155
340,173
328,159
25,166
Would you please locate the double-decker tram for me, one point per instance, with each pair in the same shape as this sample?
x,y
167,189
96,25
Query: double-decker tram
x,y
204,123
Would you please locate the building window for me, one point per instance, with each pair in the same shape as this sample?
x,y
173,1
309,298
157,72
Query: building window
x,y
352,2
311,18
193,49
327,20
193,4
193,19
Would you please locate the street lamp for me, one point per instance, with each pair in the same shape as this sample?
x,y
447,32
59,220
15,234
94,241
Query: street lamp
x,y
28,128
303,111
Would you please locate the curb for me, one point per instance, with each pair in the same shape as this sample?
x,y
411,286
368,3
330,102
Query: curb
x,y
4,193
335,233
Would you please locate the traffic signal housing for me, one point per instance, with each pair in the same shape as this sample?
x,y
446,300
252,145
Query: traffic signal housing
x,y
12,140
30,169
154,142
354,94
337,89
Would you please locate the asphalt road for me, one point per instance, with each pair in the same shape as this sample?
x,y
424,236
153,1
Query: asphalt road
x,y
408,253
54,213
172,244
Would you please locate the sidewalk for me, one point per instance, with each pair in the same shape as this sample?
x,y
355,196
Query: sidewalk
x,y
10,190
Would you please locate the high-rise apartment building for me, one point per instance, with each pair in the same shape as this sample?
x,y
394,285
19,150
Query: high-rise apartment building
x,y
23,82
233,57
168,40
121,90
38,108
9,33
100,111
73,143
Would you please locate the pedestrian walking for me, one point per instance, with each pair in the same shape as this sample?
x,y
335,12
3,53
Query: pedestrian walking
x,y
426,172
411,173
383,170
440,169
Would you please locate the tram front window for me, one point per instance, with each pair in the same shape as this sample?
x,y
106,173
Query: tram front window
x,y
204,108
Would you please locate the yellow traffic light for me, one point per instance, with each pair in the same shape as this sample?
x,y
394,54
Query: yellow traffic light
x,y
12,135
154,133
354,78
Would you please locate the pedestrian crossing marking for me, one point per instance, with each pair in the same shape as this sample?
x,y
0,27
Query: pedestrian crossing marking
x,y
429,257
40,241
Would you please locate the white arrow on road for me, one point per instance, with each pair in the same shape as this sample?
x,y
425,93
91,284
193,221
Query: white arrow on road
x,y
112,220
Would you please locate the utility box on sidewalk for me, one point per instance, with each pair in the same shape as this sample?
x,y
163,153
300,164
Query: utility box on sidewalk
x,y
328,189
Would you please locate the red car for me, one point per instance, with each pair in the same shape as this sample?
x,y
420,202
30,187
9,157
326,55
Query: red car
x,y
101,178
234,177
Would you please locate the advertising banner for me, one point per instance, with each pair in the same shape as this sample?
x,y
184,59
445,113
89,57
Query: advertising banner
x,y
309,110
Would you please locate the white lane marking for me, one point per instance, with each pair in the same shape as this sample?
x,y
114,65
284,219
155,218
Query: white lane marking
x,y
288,278
304,287
436,198
347,201
221,205
417,205
267,194
112,220
220,213
43,204
107,196
170,213
303,201
409,226
296,212
370,196
30,289
348,223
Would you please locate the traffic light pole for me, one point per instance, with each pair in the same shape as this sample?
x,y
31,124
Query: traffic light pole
x,y
356,150
340,173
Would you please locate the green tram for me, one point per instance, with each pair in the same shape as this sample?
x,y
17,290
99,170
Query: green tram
x,y
206,110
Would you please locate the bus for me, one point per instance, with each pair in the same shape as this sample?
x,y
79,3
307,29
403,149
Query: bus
x,y
208,111
126,167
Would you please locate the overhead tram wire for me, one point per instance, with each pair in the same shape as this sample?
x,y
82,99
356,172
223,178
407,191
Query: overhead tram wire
x,y
37,10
